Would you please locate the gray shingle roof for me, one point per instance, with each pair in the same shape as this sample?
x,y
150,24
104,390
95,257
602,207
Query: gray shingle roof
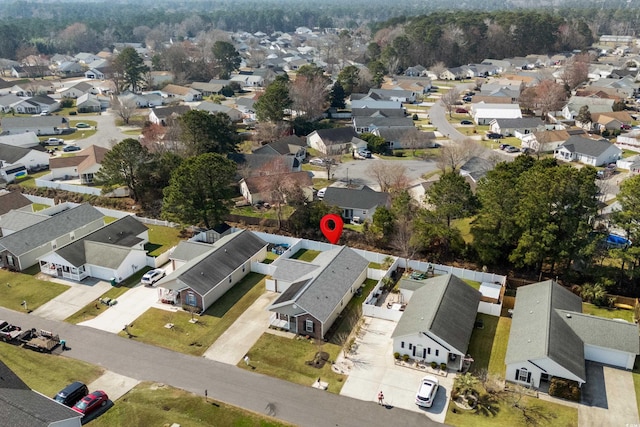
x,y
22,407
337,135
524,122
538,329
205,272
404,122
446,307
11,153
363,198
382,112
332,283
602,332
186,251
32,122
292,269
586,146
43,232
19,220
118,235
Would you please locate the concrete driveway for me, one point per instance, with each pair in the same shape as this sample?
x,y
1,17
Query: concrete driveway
x,y
374,370
72,300
608,398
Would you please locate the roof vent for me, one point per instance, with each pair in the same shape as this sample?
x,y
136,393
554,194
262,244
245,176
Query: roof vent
x,y
568,315
202,273
531,312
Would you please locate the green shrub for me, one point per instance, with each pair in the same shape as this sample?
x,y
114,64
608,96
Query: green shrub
x,y
434,365
398,153
396,355
564,389
443,366
405,357
73,113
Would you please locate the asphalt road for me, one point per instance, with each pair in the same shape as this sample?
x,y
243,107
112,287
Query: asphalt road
x,y
437,114
290,402
107,133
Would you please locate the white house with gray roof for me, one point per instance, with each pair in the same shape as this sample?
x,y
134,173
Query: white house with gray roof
x,y
437,323
594,152
208,274
517,127
41,125
483,113
360,202
551,337
21,250
315,293
113,251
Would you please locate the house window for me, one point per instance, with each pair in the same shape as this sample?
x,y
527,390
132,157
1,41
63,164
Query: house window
x,y
401,344
229,279
428,350
523,375
308,325
410,346
11,261
437,352
243,268
191,299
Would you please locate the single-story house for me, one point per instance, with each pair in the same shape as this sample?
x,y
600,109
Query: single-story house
x,y
406,137
16,220
357,204
206,277
208,89
438,320
32,158
88,103
115,251
517,127
46,103
369,124
398,95
13,200
24,140
548,140
256,188
315,293
367,102
41,125
291,145
596,105
611,121
21,406
160,116
378,112
85,164
475,169
21,250
594,152
335,141
77,90
483,113
183,93
212,107
551,337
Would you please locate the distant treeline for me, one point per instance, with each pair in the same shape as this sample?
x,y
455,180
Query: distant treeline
x,y
92,25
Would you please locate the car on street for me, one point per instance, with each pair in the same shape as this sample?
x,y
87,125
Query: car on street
x,y
82,125
152,276
53,141
70,148
91,402
492,135
466,122
467,98
427,391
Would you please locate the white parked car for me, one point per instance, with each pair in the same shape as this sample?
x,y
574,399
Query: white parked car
x,y
427,391
321,192
54,141
152,276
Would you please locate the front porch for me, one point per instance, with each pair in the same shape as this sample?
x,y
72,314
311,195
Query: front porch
x,y
283,321
63,271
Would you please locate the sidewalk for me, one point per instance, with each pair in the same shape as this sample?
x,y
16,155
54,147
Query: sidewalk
x,y
238,339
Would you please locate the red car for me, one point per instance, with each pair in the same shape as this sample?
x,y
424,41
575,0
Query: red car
x,y
91,402
461,111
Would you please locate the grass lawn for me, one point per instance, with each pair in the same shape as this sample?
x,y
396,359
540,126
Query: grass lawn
x,y
133,132
92,310
46,373
319,183
141,407
475,285
30,180
307,255
196,338
262,213
39,206
358,228
498,411
464,225
609,313
350,316
495,336
267,358
161,239
18,287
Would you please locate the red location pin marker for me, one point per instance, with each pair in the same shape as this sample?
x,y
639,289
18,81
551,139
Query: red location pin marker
x,y
331,226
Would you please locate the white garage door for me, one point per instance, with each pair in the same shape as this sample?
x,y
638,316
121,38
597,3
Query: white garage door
x,y
603,355
101,272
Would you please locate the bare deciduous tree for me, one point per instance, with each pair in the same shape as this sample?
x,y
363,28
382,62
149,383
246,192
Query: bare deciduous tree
x,y
310,95
576,71
449,100
438,68
550,97
390,176
454,155
124,108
